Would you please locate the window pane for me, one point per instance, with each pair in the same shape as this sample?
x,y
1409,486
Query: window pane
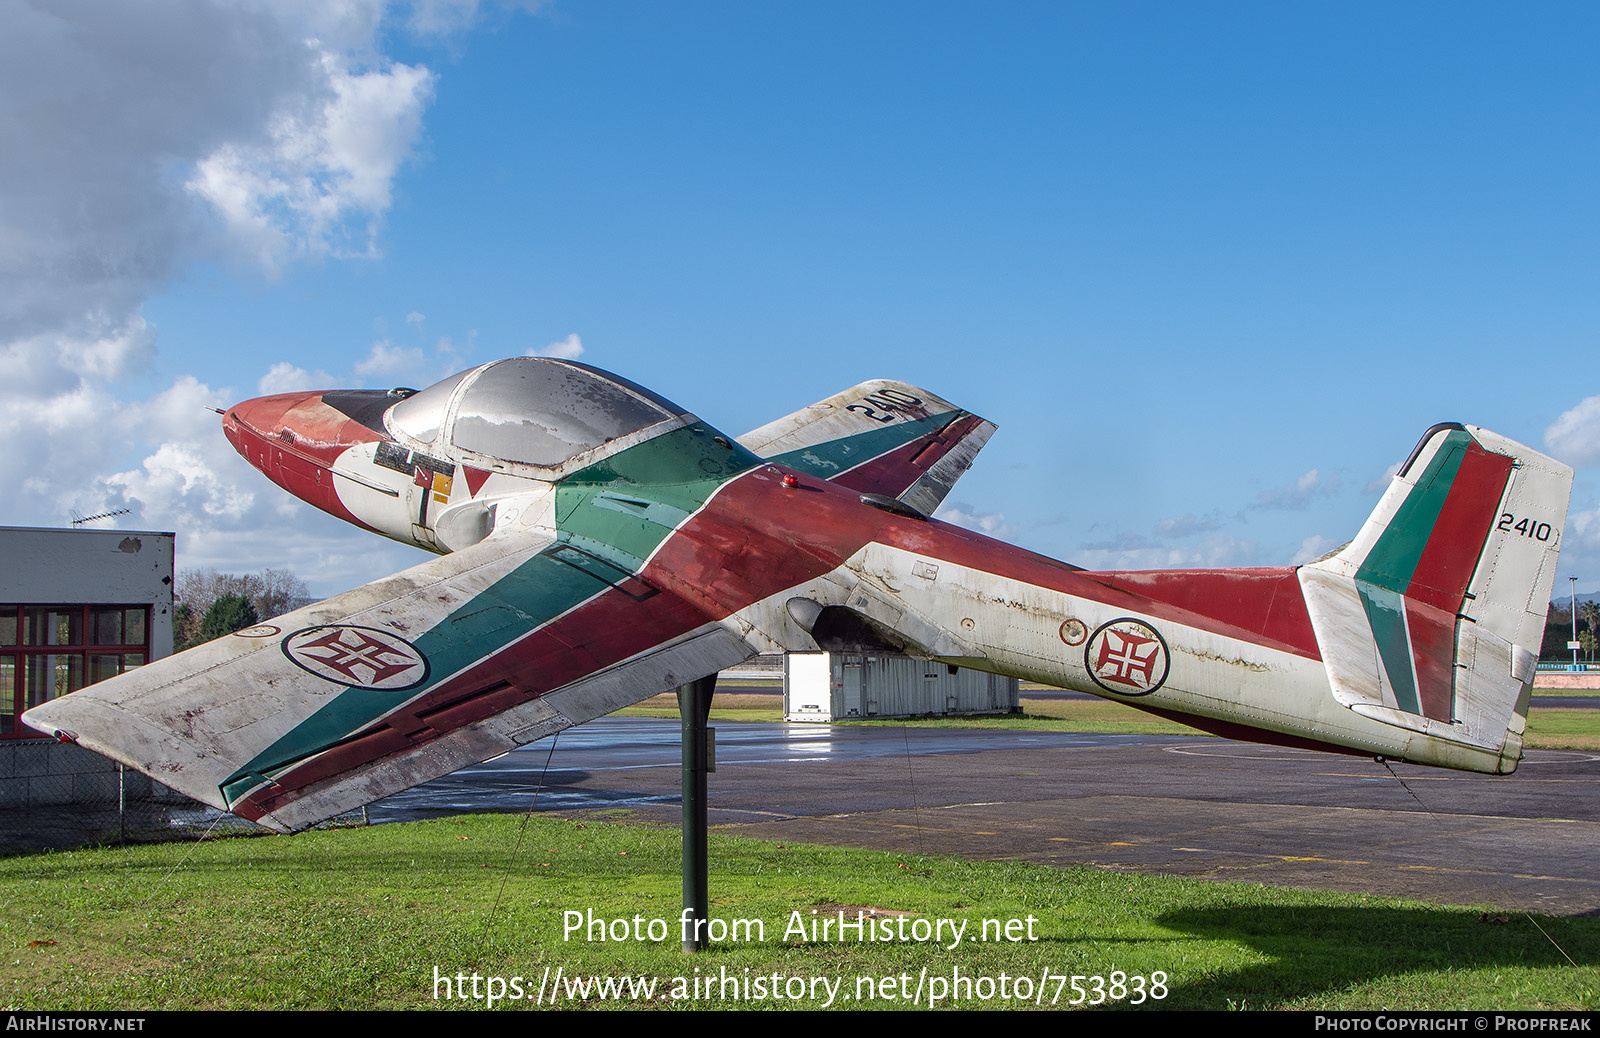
x,y
8,695
134,631
8,625
102,667
53,625
107,626
52,676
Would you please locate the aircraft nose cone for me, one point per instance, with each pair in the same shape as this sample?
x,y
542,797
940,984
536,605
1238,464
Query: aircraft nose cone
x,y
304,420
298,424
254,424
265,415
296,439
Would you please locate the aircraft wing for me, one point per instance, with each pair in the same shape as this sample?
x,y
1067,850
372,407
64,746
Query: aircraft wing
x,y
881,437
458,660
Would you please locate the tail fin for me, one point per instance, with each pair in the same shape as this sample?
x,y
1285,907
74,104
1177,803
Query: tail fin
x,y
1431,619
880,437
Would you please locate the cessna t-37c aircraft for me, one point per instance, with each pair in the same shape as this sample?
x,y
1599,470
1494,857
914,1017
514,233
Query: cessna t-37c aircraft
x,y
601,545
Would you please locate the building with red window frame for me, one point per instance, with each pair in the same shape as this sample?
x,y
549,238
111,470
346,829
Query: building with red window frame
x,y
76,607
79,606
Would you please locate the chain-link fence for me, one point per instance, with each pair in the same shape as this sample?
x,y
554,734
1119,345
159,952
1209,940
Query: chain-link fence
x,y
57,796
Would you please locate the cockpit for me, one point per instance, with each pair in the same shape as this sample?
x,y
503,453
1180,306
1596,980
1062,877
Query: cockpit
x,y
534,411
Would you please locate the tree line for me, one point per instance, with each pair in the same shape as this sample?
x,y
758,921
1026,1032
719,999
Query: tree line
x,y
1558,631
212,604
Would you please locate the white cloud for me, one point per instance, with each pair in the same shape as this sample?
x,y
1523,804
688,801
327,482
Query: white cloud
x,y
570,348
96,351
387,359
1187,525
439,17
180,412
992,524
176,483
447,17
139,138
1298,494
189,479
284,377
1381,484
1575,436
315,181
1580,550
1134,551
282,116
1313,548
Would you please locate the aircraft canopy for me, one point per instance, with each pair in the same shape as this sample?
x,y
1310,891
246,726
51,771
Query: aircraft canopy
x,y
529,410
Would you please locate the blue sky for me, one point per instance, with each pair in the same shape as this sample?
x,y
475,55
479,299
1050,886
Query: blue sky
x,y
1211,268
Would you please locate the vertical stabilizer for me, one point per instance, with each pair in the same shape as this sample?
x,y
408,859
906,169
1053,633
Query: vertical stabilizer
x,y
1431,619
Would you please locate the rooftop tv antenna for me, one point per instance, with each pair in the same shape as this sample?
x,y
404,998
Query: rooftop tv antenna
x,y
79,520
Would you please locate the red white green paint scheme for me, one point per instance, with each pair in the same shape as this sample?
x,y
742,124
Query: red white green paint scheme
x,y
601,545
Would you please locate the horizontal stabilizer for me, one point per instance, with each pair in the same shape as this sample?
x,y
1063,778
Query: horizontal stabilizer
x,y
881,437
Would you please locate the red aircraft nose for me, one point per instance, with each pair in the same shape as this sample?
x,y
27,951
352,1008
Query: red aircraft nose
x,y
257,427
295,438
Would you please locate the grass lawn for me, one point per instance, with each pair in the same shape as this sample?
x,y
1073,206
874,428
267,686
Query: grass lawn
x,y
404,916
400,916
1561,728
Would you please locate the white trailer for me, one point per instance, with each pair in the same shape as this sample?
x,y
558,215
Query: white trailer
x,y
833,686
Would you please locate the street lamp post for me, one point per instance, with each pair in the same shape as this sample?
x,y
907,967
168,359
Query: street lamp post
x,y
1574,586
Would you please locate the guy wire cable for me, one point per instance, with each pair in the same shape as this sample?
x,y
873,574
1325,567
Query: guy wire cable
x,y
184,858
127,940
516,848
911,778
1453,839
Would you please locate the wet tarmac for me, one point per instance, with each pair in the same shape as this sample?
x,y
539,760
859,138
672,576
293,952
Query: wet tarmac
x,y
1170,804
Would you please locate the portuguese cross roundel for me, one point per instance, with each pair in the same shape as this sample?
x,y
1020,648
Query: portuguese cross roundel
x,y
359,657
1127,657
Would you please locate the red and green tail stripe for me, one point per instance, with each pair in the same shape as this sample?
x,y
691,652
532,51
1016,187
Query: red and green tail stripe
x,y
1413,582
